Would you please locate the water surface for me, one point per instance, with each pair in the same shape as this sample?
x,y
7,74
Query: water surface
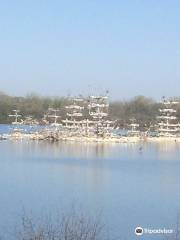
x,y
129,186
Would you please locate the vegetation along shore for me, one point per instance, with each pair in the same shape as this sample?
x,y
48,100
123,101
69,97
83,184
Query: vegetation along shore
x,y
142,108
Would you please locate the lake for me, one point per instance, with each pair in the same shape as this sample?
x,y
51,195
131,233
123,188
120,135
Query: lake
x,y
130,187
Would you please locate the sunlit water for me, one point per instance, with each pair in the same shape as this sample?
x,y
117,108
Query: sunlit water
x,y
130,187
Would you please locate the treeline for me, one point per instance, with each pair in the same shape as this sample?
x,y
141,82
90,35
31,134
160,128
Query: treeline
x,y
144,110
141,108
31,105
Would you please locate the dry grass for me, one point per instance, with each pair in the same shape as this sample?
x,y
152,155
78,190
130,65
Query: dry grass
x,y
72,226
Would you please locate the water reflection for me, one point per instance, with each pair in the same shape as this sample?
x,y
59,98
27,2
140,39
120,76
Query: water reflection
x,y
118,178
58,149
78,150
167,150
168,146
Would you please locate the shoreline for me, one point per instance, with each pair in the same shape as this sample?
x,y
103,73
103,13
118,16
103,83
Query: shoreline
x,y
112,139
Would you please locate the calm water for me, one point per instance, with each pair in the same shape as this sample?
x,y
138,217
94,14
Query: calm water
x,y
130,187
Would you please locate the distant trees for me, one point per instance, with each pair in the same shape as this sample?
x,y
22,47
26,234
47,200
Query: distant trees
x,y
31,105
143,109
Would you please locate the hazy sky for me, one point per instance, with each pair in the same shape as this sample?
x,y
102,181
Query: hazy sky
x,y
59,47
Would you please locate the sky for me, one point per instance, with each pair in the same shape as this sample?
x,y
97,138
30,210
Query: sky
x,y
60,47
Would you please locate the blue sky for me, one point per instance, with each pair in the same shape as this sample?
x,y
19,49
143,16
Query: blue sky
x,y
70,47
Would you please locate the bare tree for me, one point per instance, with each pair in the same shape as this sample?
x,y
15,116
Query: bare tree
x,y
73,226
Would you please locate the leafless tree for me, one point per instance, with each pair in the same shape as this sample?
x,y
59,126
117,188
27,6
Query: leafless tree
x,y
72,226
